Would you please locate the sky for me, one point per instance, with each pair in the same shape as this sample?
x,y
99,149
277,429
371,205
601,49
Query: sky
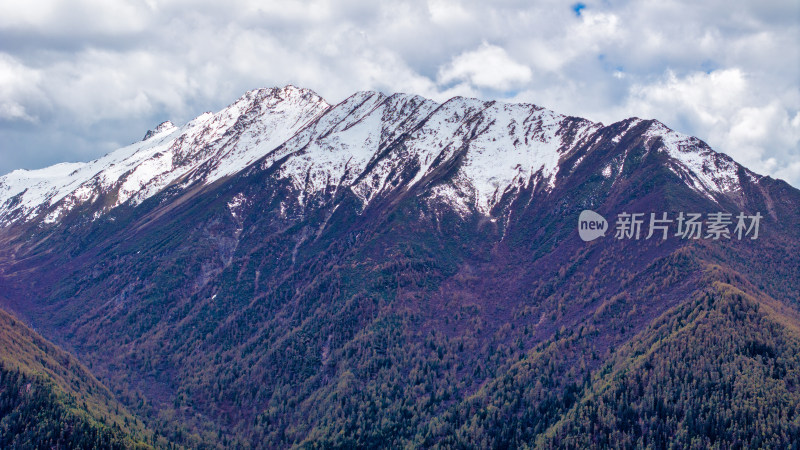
x,y
81,78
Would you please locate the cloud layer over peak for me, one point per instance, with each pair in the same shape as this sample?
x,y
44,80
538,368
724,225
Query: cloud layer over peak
x,y
80,78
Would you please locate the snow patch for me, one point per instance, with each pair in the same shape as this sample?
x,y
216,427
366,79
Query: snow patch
x,y
235,205
708,172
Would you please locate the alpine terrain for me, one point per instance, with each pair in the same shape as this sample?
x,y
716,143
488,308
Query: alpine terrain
x,y
394,272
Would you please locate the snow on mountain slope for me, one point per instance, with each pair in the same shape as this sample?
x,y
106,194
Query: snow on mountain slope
x,y
161,128
208,148
701,168
369,143
350,137
518,142
338,146
424,143
26,193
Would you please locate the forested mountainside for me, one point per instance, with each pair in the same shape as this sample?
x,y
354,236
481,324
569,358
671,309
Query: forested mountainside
x,y
49,400
391,272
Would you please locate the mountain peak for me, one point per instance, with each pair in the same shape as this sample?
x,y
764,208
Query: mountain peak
x,y
288,92
161,128
700,167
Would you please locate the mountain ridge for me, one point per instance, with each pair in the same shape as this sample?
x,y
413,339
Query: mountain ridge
x,y
214,146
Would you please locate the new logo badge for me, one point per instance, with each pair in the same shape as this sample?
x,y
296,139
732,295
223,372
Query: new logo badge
x,y
591,225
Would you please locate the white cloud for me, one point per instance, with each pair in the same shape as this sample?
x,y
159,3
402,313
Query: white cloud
x,y
18,87
488,66
91,73
447,12
707,99
75,17
724,108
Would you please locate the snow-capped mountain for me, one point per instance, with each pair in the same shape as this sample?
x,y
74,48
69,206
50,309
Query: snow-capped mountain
x,y
391,271
370,144
208,148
